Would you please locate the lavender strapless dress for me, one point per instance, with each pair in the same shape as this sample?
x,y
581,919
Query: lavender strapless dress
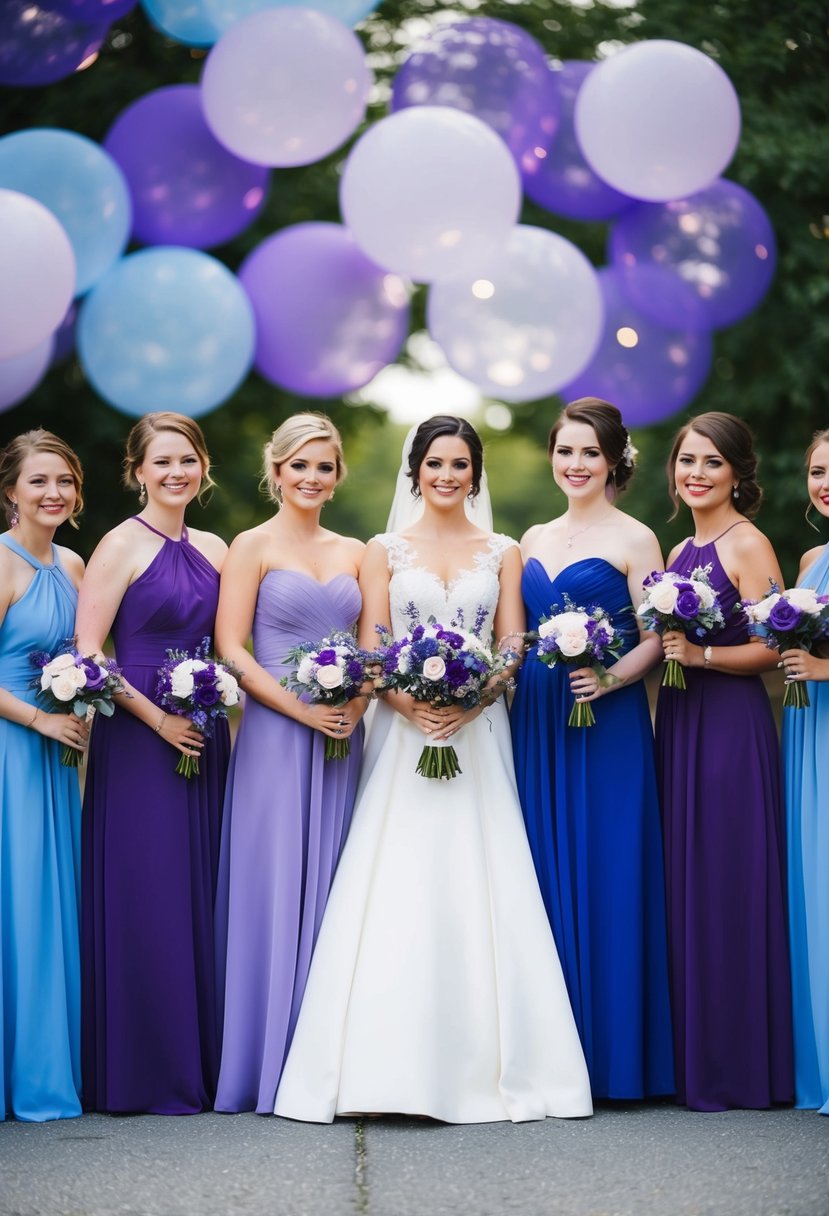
x,y
150,856
287,812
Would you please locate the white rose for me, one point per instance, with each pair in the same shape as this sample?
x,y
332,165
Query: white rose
x,y
403,660
181,682
64,687
759,612
329,676
305,671
573,641
804,598
228,687
706,593
546,628
662,596
434,668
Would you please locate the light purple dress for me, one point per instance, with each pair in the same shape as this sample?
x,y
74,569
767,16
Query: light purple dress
x,y
287,812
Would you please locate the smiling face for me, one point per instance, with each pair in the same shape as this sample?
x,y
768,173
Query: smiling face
x,y
171,470
704,478
308,477
817,478
579,466
445,473
45,491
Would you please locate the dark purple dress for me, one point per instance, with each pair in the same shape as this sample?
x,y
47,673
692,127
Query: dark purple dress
x,y
719,771
149,866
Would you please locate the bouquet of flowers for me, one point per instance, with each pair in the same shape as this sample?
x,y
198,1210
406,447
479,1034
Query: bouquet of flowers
x,y
580,637
197,687
788,620
443,666
330,672
76,683
687,603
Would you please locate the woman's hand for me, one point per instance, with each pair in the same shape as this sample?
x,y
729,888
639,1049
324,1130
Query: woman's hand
x,y
65,728
442,722
677,646
180,733
800,665
336,721
590,683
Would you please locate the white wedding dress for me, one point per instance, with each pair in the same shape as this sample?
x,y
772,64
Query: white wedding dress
x,y
435,988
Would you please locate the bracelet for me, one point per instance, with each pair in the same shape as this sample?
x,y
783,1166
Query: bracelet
x,y
162,720
30,724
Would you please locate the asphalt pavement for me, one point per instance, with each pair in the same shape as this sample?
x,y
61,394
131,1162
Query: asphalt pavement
x,y
628,1160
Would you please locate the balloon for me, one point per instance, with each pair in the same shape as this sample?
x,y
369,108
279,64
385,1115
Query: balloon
x,y
187,189
491,69
166,329
223,13
327,318
648,371
64,336
285,86
92,11
561,180
429,191
81,185
37,273
720,242
182,20
658,120
39,45
23,373
527,322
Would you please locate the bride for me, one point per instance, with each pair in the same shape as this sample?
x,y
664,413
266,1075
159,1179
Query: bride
x,y
435,988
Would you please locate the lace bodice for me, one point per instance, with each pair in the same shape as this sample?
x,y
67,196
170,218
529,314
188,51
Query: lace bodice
x,y
456,603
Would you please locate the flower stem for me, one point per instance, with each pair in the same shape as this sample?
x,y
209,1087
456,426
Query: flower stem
x,y
71,757
188,766
337,749
439,762
581,714
674,676
796,696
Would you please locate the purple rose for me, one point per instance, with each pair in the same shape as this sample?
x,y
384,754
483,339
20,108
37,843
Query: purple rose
x,y
205,695
687,603
455,673
784,617
96,677
452,639
325,658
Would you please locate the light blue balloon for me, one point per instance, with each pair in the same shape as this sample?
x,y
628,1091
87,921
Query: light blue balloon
x,y
223,13
81,185
166,329
182,20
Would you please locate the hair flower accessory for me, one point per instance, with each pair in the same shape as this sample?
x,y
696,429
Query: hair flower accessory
x,y
629,454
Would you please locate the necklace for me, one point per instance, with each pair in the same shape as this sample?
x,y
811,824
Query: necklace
x,y
572,535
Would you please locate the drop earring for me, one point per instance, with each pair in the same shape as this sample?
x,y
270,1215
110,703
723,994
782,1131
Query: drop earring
x,y
14,516
142,494
735,493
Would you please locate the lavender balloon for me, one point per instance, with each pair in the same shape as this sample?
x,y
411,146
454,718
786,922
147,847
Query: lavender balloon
x,y
22,374
649,371
526,322
327,318
39,45
37,273
719,241
64,335
658,120
558,178
187,189
491,69
223,13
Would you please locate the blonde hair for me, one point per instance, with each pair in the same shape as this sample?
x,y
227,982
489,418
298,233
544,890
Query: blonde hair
x,y
146,429
293,434
38,440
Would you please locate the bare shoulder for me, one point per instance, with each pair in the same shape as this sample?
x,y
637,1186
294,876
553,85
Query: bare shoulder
x,y
119,544
748,543
354,548
72,563
534,537
677,549
249,543
211,545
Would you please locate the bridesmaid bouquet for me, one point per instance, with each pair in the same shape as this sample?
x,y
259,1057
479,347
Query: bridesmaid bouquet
x,y
330,672
443,666
76,683
687,603
791,619
197,687
580,637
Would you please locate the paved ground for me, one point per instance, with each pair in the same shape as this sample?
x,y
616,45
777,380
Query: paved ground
x,y
626,1161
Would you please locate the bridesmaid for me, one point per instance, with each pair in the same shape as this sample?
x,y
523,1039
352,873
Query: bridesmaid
x,y
150,836
40,814
287,809
718,761
596,842
806,768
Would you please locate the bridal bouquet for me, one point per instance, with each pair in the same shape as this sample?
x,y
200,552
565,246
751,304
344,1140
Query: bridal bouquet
x,y
443,665
788,620
580,637
76,683
197,687
330,672
687,603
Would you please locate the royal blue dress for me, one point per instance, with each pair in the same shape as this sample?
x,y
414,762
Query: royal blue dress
x,y
590,805
40,824
806,767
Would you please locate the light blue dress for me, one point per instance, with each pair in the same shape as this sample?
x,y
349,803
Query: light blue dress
x,y
806,761
39,871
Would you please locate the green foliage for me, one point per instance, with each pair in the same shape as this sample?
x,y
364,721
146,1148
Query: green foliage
x,y
771,368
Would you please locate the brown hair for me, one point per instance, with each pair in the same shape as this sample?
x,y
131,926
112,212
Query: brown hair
x,y
735,443
818,438
38,440
293,434
611,432
146,429
434,428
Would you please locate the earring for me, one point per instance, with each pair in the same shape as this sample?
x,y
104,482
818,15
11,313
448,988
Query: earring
x,y
14,516
331,496
142,494
735,493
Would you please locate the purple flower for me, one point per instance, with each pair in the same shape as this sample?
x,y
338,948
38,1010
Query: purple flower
x,y
205,695
96,677
784,617
326,658
354,670
455,672
451,639
687,603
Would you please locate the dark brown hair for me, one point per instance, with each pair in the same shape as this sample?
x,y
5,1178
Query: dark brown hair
x,y
735,443
435,428
611,433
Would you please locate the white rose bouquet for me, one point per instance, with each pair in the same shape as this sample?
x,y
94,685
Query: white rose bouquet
x,y
71,682
685,602
579,637
332,672
789,620
200,688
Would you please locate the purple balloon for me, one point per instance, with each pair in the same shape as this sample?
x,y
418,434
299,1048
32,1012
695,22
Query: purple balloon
x,y
561,180
327,318
64,335
187,189
492,70
648,371
93,11
719,242
39,45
